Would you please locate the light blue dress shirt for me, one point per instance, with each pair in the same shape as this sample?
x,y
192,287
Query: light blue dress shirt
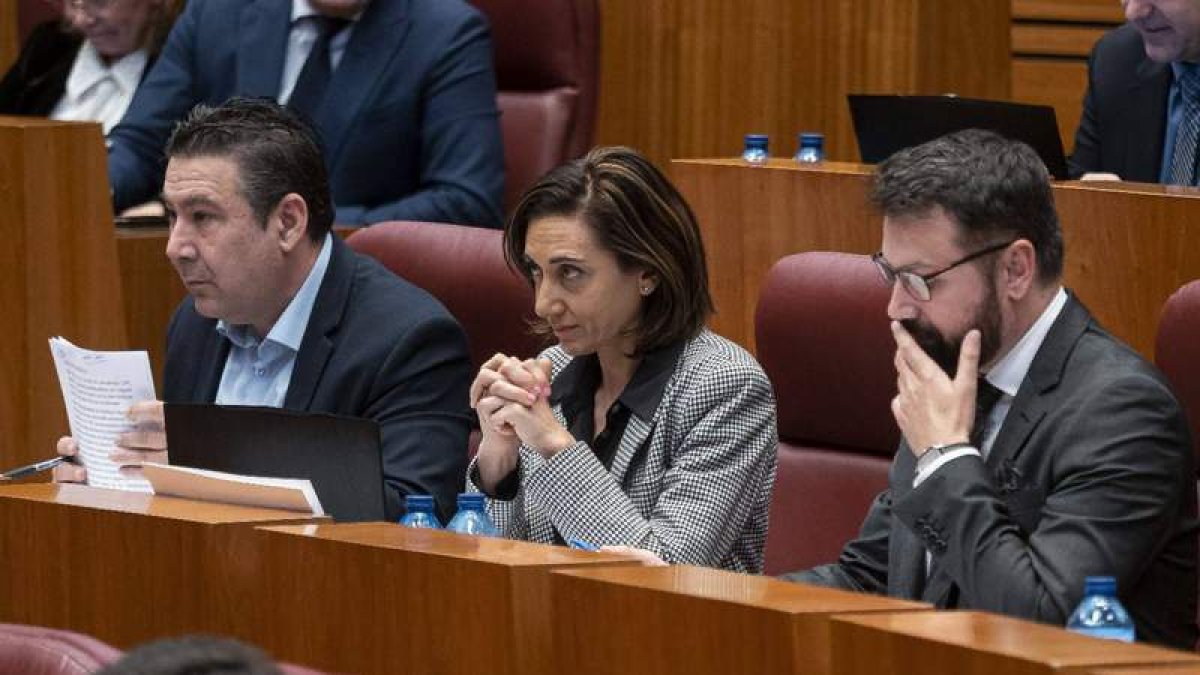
x,y
258,372
1174,118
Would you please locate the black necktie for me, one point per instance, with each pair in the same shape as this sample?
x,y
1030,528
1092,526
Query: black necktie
x,y
986,397
314,77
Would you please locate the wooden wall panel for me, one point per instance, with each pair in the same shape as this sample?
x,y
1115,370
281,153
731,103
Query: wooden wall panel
x,y
687,78
1058,83
8,34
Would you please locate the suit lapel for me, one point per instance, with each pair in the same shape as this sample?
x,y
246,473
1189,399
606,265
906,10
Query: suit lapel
x,y
262,47
211,366
1032,401
318,343
906,578
1147,101
636,433
377,37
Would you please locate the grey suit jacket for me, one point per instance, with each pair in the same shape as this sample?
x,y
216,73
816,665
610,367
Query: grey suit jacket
x,y
1124,111
692,484
1091,473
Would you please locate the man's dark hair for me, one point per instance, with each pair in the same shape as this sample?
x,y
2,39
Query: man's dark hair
x,y
634,212
994,188
277,153
194,655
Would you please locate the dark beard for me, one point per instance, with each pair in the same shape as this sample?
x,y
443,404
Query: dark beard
x,y
944,351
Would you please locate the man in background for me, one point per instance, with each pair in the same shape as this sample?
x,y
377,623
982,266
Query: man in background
x,y
1141,114
401,92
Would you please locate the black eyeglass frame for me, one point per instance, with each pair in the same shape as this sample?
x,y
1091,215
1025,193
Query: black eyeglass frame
x,y
917,285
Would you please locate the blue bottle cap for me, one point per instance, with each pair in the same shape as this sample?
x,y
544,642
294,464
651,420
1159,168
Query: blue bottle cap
x,y
756,140
811,138
471,500
412,502
1100,586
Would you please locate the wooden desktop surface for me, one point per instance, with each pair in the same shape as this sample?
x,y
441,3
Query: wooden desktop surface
x,y
696,620
975,642
1128,245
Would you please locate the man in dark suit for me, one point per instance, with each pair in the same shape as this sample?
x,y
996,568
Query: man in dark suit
x,y
1138,94
1079,461
406,105
281,313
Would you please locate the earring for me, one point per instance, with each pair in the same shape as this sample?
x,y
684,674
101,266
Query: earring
x,y
646,290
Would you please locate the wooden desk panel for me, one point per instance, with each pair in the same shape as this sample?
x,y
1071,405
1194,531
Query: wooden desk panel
x,y
152,291
694,620
380,598
1128,245
126,567
1149,670
975,642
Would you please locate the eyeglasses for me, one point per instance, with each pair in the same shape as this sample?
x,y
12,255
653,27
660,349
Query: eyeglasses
x,y
917,285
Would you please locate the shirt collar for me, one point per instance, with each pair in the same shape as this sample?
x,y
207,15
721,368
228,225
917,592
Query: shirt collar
x,y
1010,371
642,395
89,70
302,9
289,329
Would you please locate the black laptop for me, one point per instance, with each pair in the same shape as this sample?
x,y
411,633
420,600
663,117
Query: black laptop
x,y
340,455
886,124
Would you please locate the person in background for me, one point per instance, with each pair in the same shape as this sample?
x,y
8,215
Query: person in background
x,y
640,428
281,313
1141,114
88,65
402,94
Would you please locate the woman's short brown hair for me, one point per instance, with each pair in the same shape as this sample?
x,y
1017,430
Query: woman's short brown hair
x,y
637,214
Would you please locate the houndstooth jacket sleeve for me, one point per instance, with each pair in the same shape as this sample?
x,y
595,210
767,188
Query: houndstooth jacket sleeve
x,y
693,485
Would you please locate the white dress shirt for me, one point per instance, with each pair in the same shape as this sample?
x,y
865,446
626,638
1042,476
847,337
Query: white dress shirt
x,y
300,43
99,92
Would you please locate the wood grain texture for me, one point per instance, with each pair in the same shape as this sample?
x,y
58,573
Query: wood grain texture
x,y
1055,39
152,290
380,598
1058,83
975,642
1148,670
58,271
688,78
1094,11
695,620
1126,243
125,567
9,39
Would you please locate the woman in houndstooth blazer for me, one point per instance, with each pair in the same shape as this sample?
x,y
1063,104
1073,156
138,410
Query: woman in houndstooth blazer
x,y
640,427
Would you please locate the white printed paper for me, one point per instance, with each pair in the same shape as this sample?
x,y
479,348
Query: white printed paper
x,y
98,388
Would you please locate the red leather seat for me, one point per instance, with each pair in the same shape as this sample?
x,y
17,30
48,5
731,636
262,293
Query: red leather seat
x,y
547,55
464,268
33,650
822,337
1177,354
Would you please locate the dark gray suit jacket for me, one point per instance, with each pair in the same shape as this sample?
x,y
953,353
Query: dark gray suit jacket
x,y
375,347
1090,474
1125,110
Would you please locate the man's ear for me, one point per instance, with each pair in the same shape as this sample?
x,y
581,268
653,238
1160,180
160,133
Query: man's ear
x,y
1018,266
291,215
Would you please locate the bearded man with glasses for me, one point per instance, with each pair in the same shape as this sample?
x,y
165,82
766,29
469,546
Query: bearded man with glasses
x,y
1069,456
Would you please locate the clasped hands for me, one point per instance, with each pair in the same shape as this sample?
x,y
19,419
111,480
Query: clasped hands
x,y
930,407
512,399
147,442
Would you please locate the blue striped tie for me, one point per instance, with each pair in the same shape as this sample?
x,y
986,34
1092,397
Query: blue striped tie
x,y
1183,159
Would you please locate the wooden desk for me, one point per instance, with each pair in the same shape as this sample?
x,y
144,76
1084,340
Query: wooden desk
x,y
126,567
1149,670
380,598
975,642
695,620
1128,245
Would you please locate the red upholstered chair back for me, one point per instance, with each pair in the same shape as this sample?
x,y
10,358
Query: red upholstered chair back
x,y
32,12
822,337
464,268
33,650
1177,351
547,56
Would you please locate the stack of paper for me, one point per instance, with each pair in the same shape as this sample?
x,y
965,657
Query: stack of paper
x,y
98,388
217,486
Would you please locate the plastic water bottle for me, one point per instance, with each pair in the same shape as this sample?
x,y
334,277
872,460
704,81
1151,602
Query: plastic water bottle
x,y
754,149
472,518
418,512
811,148
1100,614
